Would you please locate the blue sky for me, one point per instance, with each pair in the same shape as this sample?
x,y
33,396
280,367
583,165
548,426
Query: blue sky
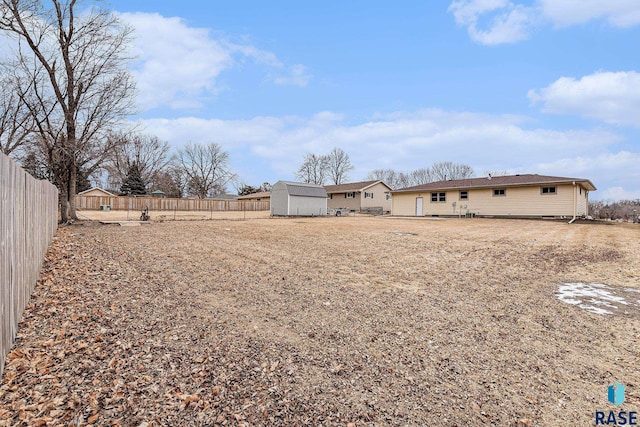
x,y
545,86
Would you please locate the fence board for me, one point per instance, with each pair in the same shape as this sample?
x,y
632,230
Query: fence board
x,y
28,222
118,203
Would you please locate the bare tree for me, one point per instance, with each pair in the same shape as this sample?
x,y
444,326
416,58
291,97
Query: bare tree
x,y
147,152
314,169
443,171
172,181
338,166
420,176
16,121
496,173
206,169
392,178
76,64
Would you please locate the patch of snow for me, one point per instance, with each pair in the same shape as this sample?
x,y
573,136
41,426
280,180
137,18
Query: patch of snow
x,y
594,297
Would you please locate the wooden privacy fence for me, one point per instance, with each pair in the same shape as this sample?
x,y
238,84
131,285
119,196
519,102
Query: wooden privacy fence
x,y
119,203
28,222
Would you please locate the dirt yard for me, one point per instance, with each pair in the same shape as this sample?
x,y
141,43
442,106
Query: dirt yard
x,y
163,216
327,321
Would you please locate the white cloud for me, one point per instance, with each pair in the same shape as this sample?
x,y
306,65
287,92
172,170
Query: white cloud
x,y
510,22
619,13
270,148
618,193
613,97
178,66
616,175
297,76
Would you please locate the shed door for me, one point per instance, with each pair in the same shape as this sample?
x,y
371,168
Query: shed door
x,y
419,206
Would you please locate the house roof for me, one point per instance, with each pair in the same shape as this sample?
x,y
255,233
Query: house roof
x,y
258,195
96,188
498,181
224,196
352,186
304,189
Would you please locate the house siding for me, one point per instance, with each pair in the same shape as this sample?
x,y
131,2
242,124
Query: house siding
x,y
379,191
526,201
379,197
339,201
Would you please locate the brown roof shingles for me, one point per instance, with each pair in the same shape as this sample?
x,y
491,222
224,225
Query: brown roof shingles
x,y
260,194
352,186
498,181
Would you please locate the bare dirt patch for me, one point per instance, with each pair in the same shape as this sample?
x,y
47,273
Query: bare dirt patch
x,y
324,321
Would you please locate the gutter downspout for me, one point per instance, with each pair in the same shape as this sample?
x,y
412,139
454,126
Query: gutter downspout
x,y
575,207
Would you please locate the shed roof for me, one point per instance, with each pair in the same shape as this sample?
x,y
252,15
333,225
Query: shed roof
x,y
498,181
352,186
304,189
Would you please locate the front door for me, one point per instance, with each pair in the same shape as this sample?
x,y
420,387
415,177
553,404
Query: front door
x,y
419,206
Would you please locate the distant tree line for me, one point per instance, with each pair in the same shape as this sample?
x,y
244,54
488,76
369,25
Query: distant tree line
x,y
609,209
439,171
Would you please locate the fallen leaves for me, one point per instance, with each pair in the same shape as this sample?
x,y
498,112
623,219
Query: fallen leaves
x,y
185,324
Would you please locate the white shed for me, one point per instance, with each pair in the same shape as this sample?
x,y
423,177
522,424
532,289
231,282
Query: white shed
x,y
298,199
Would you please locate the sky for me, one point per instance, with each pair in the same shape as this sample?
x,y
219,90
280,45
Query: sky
x,y
543,86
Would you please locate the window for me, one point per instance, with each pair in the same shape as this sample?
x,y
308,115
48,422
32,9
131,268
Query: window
x,y
499,192
331,196
464,195
368,195
350,195
438,197
548,190
388,196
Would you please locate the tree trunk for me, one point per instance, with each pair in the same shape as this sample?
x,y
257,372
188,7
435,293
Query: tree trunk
x,y
64,205
73,178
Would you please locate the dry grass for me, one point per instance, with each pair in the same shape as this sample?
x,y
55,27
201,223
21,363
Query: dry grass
x,y
325,321
162,216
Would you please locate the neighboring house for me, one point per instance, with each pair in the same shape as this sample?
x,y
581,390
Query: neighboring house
x,y
96,192
224,196
298,199
360,196
260,196
514,196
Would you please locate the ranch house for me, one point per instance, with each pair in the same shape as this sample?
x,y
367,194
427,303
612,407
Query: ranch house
x,y
260,196
362,196
513,196
97,192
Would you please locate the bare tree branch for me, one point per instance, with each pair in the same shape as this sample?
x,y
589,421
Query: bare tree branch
x,y
206,168
338,166
75,66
